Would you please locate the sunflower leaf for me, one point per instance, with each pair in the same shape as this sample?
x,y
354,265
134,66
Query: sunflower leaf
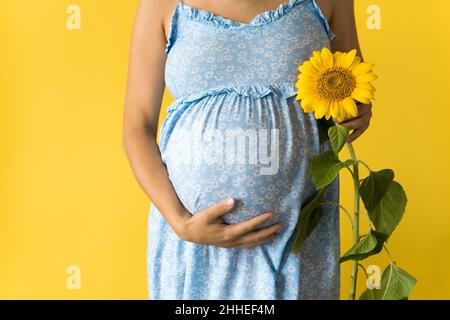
x,y
369,245
374,187
389,211
310,215
338,135
396,284
325,168
308,221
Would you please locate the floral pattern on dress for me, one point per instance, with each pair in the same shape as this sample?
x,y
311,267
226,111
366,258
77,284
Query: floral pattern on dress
x,y
225,76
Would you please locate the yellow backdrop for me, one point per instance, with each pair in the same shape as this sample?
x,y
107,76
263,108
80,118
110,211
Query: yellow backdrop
x,y
70,204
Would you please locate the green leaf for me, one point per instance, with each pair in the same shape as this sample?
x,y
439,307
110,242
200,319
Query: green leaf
x,y
325,168
338,135
309,217
396,284
307,223
369,245
389,211
374,187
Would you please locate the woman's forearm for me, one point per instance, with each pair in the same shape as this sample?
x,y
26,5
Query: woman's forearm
x,y
145,159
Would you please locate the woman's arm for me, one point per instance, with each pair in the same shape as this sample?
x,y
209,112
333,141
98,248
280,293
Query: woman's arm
x,y
143,97
342,22
145,87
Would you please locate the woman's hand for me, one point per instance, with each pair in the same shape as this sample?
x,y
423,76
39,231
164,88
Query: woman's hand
x,y
358,124
206,227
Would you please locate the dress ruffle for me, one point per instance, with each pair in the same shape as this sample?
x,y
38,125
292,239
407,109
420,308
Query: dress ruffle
x,y
263,18
330,33
173,29
282,90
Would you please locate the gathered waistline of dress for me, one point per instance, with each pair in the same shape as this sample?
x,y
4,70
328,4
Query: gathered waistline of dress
x,y
281,90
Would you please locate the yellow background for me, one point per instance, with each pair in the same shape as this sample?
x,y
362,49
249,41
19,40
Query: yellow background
x,y
68,196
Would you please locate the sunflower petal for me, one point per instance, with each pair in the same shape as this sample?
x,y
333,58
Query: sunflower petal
x,y
363,93
366,86
328,114
350,107
304,85
327,57
362,68
308,77
337,57
360,96
308,67
334,110
307,105
348,59
304,94
341,114
321,109
317,61
327,106
324,105
366,77
356,62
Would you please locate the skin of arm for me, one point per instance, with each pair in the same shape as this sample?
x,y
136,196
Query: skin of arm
x,y
341,16
144,91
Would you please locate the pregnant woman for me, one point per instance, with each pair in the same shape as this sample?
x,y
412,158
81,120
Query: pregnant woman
x,y
228,173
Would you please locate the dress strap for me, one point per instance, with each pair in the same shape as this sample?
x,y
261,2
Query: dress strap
x,y
173,26
323,18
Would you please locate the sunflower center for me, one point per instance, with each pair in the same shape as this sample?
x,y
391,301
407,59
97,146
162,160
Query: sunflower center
x,y
336,84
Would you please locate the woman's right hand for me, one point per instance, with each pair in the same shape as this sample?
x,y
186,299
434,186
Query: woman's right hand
x,y
206,227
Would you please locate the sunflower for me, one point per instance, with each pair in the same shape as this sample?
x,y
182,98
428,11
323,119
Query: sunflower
x,y
329,84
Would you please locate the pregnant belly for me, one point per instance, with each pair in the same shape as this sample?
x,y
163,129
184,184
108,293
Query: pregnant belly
x,y
256,150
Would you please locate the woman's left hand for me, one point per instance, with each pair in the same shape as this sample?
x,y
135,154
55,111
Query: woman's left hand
x,y
360,123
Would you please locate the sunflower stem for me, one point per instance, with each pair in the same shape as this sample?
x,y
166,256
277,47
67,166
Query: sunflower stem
x,y
355,224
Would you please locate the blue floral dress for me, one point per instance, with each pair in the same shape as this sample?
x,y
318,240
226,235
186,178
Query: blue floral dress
x,y
236,130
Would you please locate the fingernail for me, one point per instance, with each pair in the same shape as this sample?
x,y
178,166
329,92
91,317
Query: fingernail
x,y
230,201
